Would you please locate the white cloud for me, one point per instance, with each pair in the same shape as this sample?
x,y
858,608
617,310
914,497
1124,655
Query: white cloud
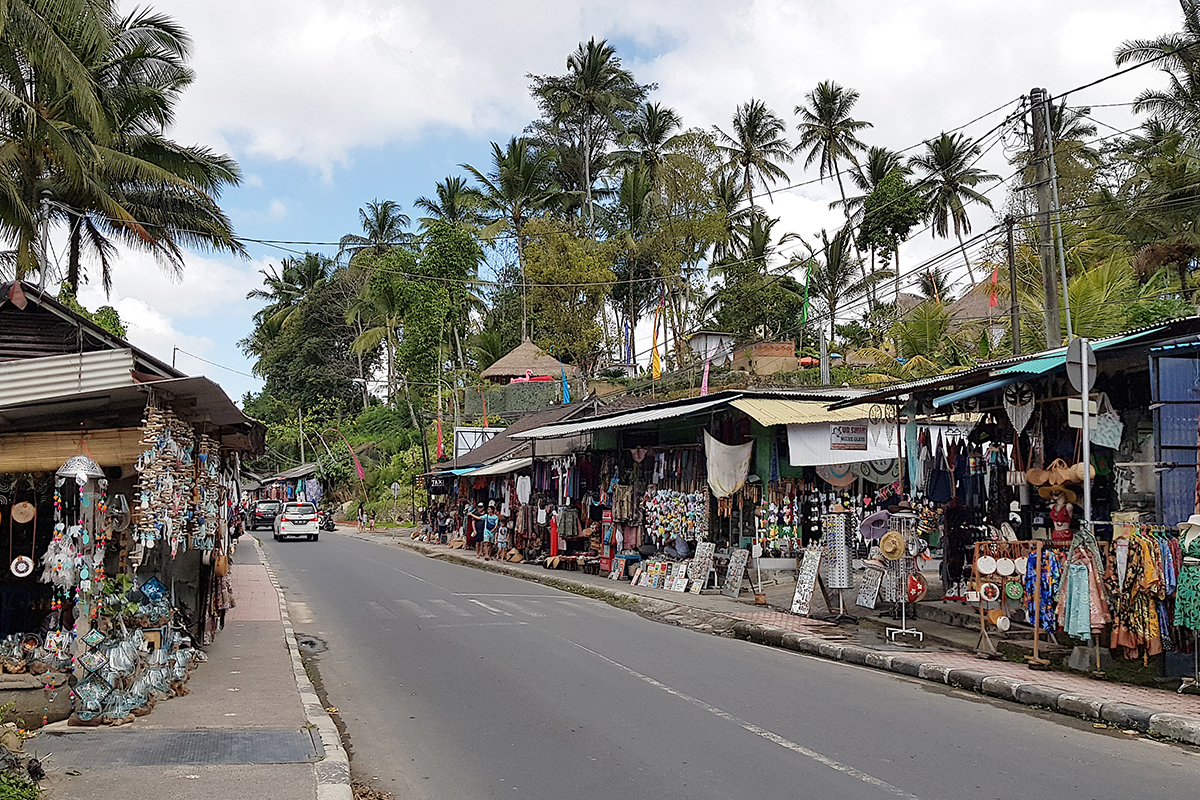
x,y
276,210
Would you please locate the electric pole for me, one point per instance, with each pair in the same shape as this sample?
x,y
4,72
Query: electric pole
x,y
1045,196
1014,307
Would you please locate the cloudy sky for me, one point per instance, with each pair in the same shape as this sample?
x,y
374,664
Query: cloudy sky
x,y
330,103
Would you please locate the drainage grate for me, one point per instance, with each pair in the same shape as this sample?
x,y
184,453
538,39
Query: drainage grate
x,y
125,748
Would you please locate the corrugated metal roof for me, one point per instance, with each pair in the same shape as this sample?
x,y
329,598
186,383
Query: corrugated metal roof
x,y
31,379
767,411
1058,357
641,416
502,467
302,471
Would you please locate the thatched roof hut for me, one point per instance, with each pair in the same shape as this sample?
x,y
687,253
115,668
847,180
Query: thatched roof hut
x,y
527,358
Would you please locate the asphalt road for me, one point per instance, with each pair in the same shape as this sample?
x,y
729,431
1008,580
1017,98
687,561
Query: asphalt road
x,y
456,683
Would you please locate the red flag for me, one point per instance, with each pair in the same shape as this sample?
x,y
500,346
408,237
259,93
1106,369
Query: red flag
x,y
993,299
441,451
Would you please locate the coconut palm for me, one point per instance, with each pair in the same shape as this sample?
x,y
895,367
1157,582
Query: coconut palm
x,y
756,147
834,277
828,134
139,73
867,173
728,191
648,138
383,227
456,202
1178,55
590,100
513,192
286,286
949,185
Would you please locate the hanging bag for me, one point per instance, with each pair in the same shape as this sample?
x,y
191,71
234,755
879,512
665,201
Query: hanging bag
x,y
1016,473
941,488
1108,429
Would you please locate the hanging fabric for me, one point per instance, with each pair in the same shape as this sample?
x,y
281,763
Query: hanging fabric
x,y
728,465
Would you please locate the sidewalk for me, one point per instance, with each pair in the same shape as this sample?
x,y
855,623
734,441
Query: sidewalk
x,y
250,726
1158,712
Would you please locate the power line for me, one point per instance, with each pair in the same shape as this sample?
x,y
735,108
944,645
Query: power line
x,y
215,364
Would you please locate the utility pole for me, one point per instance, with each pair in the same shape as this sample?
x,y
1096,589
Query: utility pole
x,y
1014,307
1045,196
300,419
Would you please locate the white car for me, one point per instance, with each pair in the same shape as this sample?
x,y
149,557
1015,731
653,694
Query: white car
x,y
297,519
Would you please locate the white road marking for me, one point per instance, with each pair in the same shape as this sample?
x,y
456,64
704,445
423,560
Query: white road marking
x,y
474,624
300,613
409,574
416,609
446,604
379,611
517,607
564,611
845,769
493,609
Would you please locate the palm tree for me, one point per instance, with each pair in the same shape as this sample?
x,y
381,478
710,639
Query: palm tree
x,y
288,285
728,192
827,131
379,314
648,138
934,284
756,147
1178,55
86,98
516,189
834,277
456,203
139,74
590,99
383,226
867,174
949,185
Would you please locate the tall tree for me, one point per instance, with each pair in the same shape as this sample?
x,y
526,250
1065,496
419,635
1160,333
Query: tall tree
x,y
756,147
828,134
287,285
168,190
383,228
1178,56
834,278
949,186
868,173
648,139
455,202
515,190
589,102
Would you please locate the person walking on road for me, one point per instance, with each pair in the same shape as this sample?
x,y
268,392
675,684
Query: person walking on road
x,y
474,529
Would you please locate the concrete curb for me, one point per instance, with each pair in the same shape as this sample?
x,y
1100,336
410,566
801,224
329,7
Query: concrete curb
x,y
1177,727
333,771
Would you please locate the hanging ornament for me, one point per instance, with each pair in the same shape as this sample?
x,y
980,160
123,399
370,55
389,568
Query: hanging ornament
x,y
1018,404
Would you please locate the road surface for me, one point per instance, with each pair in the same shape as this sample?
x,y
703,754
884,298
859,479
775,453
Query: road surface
x,y
457,683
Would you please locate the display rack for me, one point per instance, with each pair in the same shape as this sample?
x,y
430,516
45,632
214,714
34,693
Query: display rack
x,y
896,580
836,531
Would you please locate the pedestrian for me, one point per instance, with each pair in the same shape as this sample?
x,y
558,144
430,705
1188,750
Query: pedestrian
x,y
474,529
362,515
371,520
502,538
491,521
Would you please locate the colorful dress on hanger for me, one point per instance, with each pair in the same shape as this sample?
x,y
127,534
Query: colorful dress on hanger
x,y
1136,628
1187,590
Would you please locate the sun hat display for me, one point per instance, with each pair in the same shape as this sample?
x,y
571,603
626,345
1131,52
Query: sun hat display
x,y
1190,529
1005,566
986,565
1048,492
891,546
990,592
837,474
917,587
998,618
874,526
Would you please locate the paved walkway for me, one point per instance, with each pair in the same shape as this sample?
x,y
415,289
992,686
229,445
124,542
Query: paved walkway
x,y
246,693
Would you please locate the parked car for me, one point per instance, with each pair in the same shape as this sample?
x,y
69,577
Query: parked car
x,y
262,514
297,519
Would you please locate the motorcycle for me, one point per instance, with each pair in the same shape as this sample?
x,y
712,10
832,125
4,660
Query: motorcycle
x,y
325,522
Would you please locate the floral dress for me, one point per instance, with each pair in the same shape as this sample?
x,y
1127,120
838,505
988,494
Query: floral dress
x,y
1187,591
1136,628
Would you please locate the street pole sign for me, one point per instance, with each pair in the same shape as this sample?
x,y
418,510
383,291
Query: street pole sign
x,y
1081,370
395,489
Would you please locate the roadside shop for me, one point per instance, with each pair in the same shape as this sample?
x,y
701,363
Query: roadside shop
x,y
1005,493
119,487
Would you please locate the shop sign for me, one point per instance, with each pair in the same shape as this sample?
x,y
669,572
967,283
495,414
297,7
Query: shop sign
x,y
847,437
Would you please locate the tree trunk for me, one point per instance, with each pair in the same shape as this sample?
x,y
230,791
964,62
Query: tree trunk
x,y
74,254
963,247
587,173
524,286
